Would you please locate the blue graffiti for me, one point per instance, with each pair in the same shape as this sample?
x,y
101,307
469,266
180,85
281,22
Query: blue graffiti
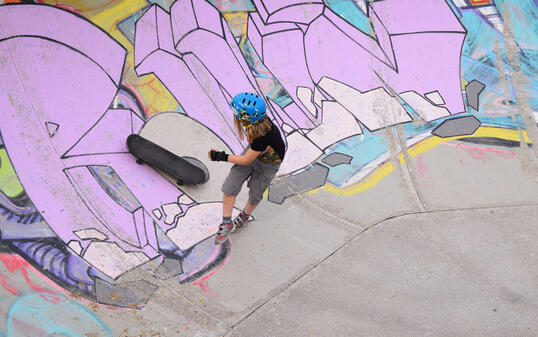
x,y
483,45
350,11
65,317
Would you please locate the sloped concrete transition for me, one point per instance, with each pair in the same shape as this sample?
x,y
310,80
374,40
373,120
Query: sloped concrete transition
x,y
406,204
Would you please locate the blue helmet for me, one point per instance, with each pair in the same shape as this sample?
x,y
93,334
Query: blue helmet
x,y
249,108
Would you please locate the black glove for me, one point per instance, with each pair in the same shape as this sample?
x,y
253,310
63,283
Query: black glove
x,y
218,155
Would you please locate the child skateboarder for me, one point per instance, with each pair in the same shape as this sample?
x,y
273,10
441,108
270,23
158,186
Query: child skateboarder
x,y
258,163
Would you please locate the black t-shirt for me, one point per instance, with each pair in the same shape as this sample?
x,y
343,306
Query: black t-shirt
x,y
272,139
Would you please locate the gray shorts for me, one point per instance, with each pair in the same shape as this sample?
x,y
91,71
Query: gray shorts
x,y
261,174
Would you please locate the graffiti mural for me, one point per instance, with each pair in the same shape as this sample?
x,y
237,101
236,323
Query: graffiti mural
x,y
34,306
337,75
99,215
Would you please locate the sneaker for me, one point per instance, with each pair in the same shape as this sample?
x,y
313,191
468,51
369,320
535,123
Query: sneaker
x,y
224,231
240,222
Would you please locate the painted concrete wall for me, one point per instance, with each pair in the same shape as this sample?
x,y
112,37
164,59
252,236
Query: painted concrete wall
x,y
359,89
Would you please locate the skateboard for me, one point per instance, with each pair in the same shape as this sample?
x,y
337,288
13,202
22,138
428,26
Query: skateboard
x,y
184,170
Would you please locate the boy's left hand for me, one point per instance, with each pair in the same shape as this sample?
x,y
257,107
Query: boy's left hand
x,y
215,155
209,153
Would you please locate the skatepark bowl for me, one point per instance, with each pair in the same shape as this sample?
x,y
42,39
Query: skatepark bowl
x,y
406,204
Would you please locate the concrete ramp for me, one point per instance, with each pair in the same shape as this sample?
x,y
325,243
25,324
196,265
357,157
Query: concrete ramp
x,y
406,204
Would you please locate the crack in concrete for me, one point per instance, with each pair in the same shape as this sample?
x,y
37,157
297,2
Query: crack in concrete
x,y
528,156
353,238
163,284
412,177
518,79
319,208
408,179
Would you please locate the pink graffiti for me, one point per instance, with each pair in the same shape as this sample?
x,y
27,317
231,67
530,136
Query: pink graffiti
x,y
205,288
479,153
15,263
423,176
202,283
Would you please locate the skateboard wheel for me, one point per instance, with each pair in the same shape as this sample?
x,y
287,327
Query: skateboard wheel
x,y
139,161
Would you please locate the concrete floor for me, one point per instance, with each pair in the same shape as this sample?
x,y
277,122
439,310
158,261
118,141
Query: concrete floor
x,y
438,242
372,263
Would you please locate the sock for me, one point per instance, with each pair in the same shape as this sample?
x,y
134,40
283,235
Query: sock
x,y
244,215
226,219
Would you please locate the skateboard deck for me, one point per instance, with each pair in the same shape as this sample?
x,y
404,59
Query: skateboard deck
x,y
182,170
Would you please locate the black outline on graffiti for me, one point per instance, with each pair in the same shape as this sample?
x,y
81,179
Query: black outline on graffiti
x,y
307,114
80,17
432,92
55,130
65,155
91,238
136,227
247,72
207,94
63,44
263,5
299,171
57,241
356,42
311,3
454,118
83,198
251,22
389,37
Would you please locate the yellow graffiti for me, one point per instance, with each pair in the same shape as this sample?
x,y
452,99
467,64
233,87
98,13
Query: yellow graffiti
x,y
152,92
109,18
463,82
238,23
9,182
107,15
386,168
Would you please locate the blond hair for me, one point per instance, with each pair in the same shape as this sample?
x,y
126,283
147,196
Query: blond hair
x,y
260,129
